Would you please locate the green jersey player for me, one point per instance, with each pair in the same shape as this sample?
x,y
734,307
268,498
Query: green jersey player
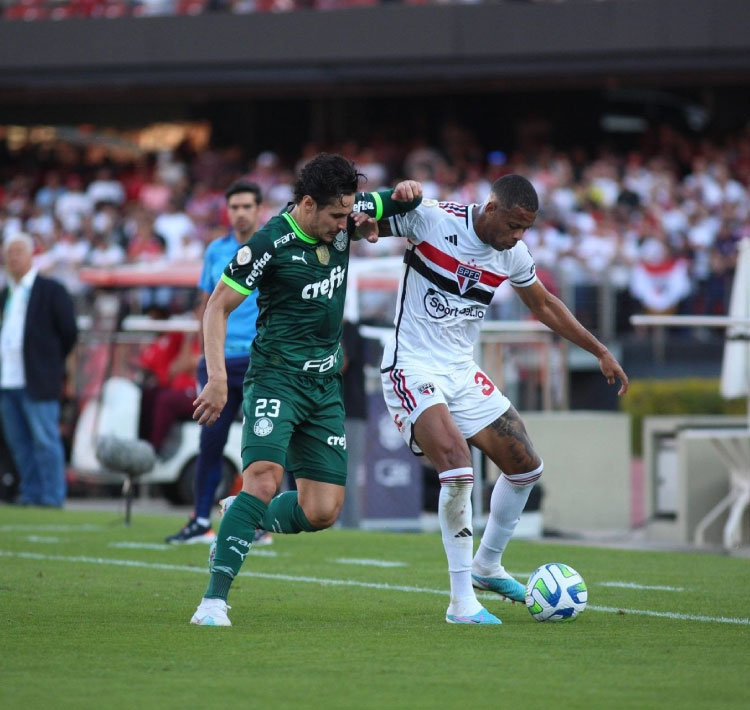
x,y
293,405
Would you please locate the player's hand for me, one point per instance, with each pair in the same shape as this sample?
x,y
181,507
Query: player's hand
x,y
210,402
366,226
611,370
407,190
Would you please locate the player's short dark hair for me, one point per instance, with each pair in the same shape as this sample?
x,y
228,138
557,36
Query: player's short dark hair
x,y
239,186
326,178
512,190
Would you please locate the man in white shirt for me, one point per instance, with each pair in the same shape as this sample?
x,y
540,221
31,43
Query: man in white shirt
x,y
440,399
37,332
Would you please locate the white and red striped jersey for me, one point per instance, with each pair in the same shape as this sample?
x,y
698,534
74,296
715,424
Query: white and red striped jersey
x,y
448,280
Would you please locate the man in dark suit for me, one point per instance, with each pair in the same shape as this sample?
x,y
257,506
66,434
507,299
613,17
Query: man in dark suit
x,y
37,332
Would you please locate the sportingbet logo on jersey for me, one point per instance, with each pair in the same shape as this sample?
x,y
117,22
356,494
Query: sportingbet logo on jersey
x,y
467,277
326,287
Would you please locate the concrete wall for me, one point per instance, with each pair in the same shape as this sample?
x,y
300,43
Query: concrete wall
x,y
586,477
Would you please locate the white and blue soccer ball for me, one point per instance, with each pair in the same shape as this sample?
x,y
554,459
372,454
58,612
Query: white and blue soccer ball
x,y
556,592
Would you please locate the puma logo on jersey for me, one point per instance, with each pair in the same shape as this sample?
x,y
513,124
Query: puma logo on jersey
x,y
298,258
453,239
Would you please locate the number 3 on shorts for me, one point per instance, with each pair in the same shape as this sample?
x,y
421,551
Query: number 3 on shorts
x,y
267,407
484,382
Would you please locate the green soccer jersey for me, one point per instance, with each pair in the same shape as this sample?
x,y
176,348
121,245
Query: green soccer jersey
x,y
301,284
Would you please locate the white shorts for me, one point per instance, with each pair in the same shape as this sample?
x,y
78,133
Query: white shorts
x,y
472,398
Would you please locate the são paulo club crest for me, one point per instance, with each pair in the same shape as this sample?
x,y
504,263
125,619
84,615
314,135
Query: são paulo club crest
x,y
426,389
467,277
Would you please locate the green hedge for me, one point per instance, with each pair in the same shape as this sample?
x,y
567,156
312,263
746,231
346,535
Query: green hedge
x,y
687,396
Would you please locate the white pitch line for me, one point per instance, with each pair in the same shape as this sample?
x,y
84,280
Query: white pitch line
x,y
50,528
348,583
162,546
368,563
633,585
673,615
623,585
37,538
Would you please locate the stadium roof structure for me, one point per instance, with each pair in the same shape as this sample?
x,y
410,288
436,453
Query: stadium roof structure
x,y
361,50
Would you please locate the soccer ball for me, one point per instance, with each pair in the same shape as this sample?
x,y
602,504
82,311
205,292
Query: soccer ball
x,y
556,592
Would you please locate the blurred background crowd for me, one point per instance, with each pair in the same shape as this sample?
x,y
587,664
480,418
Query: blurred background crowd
x,y
653,229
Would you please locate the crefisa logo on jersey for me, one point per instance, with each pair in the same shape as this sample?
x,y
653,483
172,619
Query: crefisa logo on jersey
x,y
426,389
340,241
467,277
257,270
263,427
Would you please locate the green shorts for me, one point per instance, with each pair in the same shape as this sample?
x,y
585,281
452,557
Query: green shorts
x,y
296,421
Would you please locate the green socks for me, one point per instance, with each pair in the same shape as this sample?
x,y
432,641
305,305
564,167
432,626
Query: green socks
x,y
233,542
284,515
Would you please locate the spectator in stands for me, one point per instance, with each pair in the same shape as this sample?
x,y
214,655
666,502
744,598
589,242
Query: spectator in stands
x,y
168,388
173,226
105,188
74,206
660,280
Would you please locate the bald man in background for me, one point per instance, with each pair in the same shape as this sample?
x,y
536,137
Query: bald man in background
x,y
37,333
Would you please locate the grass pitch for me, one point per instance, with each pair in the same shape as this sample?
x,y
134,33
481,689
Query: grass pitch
x,y
95,615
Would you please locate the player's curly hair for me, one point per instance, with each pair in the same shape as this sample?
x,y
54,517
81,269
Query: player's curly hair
x,y
326,178
512,190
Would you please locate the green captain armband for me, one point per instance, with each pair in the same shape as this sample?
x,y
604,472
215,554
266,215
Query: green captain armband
x,y
233,284
388,207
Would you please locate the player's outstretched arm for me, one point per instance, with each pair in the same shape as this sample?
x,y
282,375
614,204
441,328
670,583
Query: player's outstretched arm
x,y
213,396
403,198
551,311
408,191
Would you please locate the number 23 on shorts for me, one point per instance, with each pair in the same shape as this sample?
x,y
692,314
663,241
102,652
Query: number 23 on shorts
x,y
267,407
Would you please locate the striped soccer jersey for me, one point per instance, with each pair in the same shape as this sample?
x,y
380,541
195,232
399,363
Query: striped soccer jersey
x,y
448,281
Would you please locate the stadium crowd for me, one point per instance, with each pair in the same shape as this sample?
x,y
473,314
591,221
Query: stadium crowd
x,y
29,10
659,225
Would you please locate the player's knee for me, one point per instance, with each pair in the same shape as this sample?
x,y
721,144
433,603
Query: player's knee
x,y
528,477
321,513
260,480
447,454
321,519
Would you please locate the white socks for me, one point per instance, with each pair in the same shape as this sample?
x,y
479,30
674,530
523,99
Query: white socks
x,y
508,499
454,514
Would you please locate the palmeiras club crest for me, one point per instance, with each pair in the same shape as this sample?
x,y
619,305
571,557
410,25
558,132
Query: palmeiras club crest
x,y
466,277
340,241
